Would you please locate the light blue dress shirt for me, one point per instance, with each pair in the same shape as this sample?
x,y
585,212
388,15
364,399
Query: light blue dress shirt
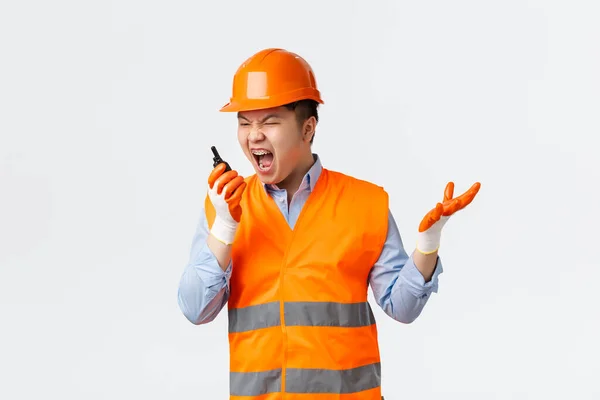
x,y
398,286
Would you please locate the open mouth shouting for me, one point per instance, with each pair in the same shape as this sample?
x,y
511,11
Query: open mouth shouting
x,y
263,159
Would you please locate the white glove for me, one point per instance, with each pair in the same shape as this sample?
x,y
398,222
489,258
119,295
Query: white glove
x,y
428,241
225,192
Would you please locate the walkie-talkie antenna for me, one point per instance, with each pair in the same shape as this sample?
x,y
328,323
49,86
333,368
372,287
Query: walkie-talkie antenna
x,y
218,160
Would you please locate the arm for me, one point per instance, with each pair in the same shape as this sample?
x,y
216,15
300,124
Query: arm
x,y
400,288
204,285
426,263
402,284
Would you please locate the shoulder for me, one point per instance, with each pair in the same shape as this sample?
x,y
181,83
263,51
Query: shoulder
x,y
361,185
359,193
368,202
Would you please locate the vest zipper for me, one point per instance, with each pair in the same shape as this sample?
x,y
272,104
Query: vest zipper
x,y
282,312
283,330
281,297
282,273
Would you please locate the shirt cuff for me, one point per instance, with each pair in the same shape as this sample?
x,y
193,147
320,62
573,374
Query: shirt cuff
x,y
415,282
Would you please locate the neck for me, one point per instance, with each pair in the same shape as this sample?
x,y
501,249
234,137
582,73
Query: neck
x,y
293,180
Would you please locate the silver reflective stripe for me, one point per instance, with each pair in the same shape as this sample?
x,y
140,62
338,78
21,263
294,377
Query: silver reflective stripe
x,y
333,381
306,381
254,383
254,317
348,315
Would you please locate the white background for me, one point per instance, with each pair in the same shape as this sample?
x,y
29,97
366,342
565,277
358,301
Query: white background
x,y
107,113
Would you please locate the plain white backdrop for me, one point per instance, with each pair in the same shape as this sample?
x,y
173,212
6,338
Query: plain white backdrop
x,y
107,114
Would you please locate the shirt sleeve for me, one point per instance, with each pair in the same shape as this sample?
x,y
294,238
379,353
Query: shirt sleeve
x,y
398,286
204,286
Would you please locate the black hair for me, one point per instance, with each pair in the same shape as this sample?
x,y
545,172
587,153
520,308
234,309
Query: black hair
x,y
304,109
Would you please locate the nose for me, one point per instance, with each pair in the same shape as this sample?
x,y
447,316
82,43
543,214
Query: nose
x,y
256,134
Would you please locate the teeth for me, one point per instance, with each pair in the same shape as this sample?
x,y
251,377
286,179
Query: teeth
x,y
260,152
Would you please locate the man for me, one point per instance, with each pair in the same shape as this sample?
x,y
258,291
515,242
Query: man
x,y
293,248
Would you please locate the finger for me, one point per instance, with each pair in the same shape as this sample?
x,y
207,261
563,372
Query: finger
x,y
452,206
225,179
449,192
467,197
236,197
234,202
461,201
236,212
431,217
215,174
231,186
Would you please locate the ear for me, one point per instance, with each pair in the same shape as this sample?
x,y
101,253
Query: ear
x,y
308,130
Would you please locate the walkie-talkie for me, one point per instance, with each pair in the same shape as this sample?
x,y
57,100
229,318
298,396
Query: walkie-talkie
x,y
218,160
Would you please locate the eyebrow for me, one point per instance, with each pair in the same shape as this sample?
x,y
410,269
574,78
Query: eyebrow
x,y
266,117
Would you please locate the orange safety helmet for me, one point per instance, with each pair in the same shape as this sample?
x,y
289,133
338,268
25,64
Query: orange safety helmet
x,y
272,78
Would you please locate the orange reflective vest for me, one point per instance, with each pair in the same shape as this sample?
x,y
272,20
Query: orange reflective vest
x,y
300,326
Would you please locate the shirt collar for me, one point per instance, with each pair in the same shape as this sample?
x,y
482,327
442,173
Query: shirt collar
x,y
310,179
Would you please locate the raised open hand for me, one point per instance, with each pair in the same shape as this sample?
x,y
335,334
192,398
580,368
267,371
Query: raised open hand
x,y
432,223
449,205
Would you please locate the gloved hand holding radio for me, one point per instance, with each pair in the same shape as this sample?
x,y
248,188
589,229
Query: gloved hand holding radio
x,y
225,188
430,229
